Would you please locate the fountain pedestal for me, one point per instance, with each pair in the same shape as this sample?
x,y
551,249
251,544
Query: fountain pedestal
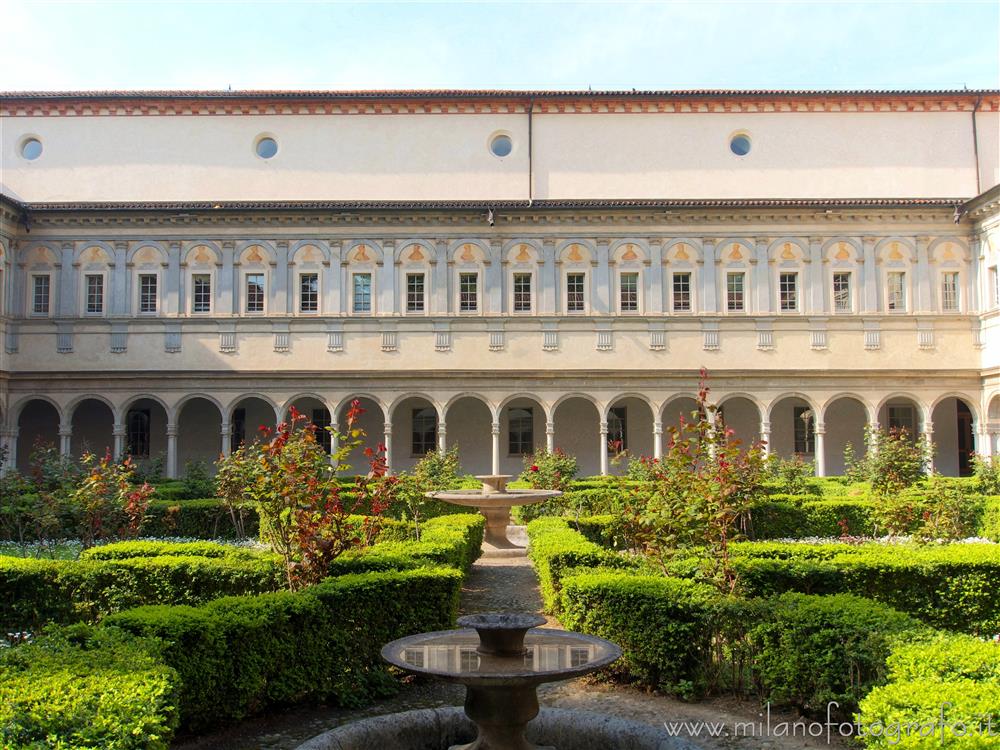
x,y
494,501
501,659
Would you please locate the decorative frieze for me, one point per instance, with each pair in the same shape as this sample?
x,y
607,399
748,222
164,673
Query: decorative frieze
x,y
390,337
925,334
605,336
442,336
550,335
657,336
873,335
227,338
498,336
818,339
335,336
765,334
119,337
282,336
710,335
64,337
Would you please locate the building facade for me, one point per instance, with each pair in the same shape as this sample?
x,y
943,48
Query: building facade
x,y
499,270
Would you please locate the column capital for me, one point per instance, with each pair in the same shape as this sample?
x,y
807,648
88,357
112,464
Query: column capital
x,y
657,427
171,429
550,428
604,427
819,428
495,428
118,430
765,426
387,428
225,428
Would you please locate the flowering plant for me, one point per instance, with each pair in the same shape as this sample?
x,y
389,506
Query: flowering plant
x,y
107,502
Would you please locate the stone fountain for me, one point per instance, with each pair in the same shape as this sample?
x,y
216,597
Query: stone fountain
x,y
501,659
494,501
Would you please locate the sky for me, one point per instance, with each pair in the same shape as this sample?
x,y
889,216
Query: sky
x,y
652,45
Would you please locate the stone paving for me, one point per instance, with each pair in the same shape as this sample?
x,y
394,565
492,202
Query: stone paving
x,y
505,580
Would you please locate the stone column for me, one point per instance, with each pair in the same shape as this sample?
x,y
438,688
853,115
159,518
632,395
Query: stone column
x,y
495,430
761,277
388,447
600,287
66,296
388,300
928,432
925,294
708,274
118,432
655,297
765,436
226,433
872,429
173,286
227,294
604,447
657,439
121,300
280,295
440,275
550,437
548,278
334,444
442,437
65,438
171,450
819,433
814,283
493,279
991,442
869,301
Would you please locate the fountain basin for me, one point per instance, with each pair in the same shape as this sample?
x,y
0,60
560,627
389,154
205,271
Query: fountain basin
x,y
494,501
443,728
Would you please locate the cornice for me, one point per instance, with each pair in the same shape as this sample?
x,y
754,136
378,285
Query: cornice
x,y
221,103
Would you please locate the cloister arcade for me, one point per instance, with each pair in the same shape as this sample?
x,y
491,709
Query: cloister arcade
x,y
493,431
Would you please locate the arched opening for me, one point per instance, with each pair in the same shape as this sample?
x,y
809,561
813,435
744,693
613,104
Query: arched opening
x,y
993,424
677,409
901,413
372,422
146,435
630,431
317,414
742,416
577,425
953,437
793,429
469,426
522,432
38,427
199,433
414,432
845,420
93,428
246,418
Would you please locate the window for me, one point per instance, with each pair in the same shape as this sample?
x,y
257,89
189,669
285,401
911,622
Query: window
x,y
902,417
201,293
805,436
238,433
95,293
788,292
681,286
40,294
414,292
522,293
949,291
617,430
579,656
468,292
266,147
137,433
735,291
255,293
31,148
147,293
842,298
574,292
896,291
362,293
309,292
501,145
521,433
424,431
321,418
739,144
629,292
994,286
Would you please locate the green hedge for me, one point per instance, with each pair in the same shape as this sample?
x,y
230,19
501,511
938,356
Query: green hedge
x,y
554,547
203,518
952,587
801,516
34,592
157,548
813,650
238,656
86,687
924,676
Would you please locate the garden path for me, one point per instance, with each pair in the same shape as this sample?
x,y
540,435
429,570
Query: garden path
x,y
505,580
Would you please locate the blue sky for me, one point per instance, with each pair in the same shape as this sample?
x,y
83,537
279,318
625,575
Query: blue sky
x,y
202,45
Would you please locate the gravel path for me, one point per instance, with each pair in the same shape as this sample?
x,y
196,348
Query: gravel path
x,y
504,580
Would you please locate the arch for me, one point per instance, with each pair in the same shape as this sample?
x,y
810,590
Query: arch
x,y
675,246
691,396
636,247
793,418
426,248
18,406
471,394
939,242
888,246
870,410
107,250
40,254
633,437
577,418
725,251
901,396
37,420
92,419
199,248
346,400
627,394
789,394
472,251
252,394
199,431
970,401
954,420
844,424
372,422
247,252
776,249
304,245
146,438
469,421
721,400
993,407
133,252
283,409
512,249
741,413
832,246
577,394
70,409
316,410
372,253
576,251
130,401
413,394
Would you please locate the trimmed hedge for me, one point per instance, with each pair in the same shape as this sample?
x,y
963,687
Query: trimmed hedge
x,y
238,656
86,687
203,518
798,517
156,548
554,548
958,670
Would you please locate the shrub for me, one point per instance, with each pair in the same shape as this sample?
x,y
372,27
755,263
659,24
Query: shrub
x,y
205,518
793,473
989,524
894,461
829,517
107,501
664,625
156,548
238,656
956,675
813,650
986,470
433,472
84,687
197,481
549,471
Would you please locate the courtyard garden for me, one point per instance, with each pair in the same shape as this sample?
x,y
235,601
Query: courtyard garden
x,y
138,613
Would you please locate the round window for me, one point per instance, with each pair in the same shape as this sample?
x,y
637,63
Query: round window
x,y
739,144
501,145
266,147
31,148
